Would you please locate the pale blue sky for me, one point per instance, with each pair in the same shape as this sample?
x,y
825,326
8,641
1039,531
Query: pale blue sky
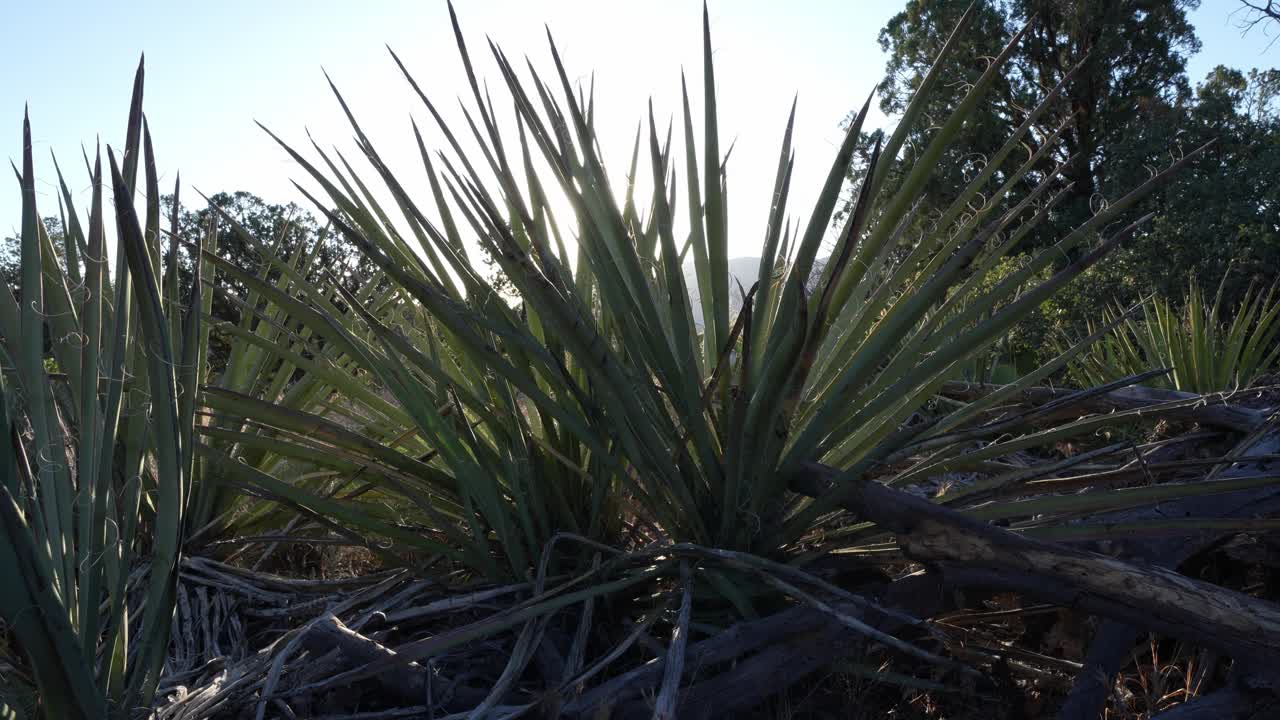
x,y
213,68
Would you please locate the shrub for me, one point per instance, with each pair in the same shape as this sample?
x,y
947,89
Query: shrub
x,y
597,406
593,432
1203,352
99,444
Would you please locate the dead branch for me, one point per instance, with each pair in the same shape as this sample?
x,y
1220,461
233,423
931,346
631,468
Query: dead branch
x,y
1229,703
1255,13
1112,643
757,678
969,553
406,681
733,643
1216,410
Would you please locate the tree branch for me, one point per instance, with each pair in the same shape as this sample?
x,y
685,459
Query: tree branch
x,y
970,553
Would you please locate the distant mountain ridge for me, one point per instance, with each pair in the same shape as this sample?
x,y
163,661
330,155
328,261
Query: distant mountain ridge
x,y
744,271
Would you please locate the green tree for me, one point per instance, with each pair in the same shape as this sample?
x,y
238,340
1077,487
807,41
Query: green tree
x,y
277,230
1131,109
284,229
1132,56
1220,219
912,39
11,254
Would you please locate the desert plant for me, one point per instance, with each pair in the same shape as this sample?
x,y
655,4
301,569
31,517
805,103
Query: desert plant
x,y
597,434
99,443
597,406
1202,350
589,441
101,372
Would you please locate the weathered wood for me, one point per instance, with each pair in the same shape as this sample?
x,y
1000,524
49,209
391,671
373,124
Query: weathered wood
x,y
406,681
972,553
759,677
733,643
1111,645
1219,410
665,708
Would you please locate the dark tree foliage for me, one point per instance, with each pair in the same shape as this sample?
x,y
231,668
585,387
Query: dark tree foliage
x,y
282,231
1132,109
11,254
1220,219
1134,56
912,39
287,232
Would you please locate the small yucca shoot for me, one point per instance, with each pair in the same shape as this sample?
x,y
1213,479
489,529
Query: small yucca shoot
x,y
1203,353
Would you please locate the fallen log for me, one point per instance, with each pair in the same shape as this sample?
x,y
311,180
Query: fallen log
x,y
1113,641
405,681
733,643
970,553
757,678
1219,410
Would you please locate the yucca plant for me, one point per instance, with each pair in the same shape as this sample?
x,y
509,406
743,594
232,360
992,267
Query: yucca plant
x,y
592,439
98,442
107,365
598,407
276,366
1203,351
